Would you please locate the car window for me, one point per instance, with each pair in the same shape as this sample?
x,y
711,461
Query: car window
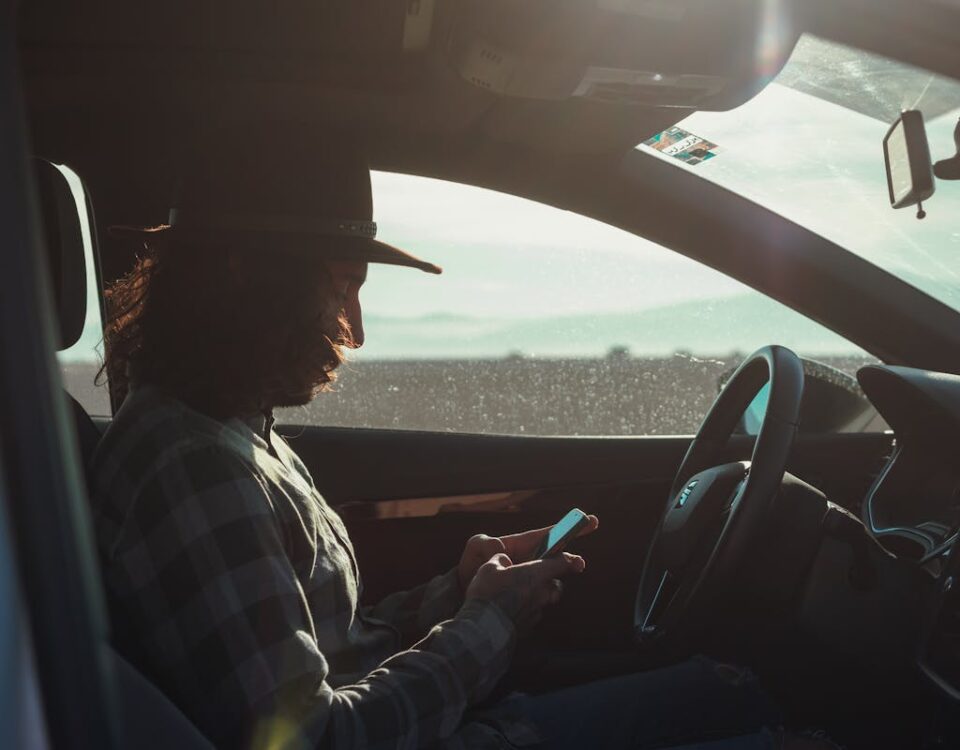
x,y
545,322
80,363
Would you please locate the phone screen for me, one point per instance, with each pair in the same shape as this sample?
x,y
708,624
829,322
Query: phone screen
x,y
562,528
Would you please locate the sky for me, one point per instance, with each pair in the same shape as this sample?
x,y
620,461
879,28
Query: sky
x,y
520,275
507,256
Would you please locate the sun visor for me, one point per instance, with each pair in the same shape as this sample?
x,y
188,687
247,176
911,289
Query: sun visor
x,y
693,54
64,244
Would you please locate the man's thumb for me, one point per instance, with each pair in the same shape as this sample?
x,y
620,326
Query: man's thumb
x,y
491,545
561,565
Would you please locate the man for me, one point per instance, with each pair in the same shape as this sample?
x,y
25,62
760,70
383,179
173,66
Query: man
x,y
231,582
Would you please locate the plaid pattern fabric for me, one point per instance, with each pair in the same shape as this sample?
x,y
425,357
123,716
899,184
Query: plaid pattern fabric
x,y
236,589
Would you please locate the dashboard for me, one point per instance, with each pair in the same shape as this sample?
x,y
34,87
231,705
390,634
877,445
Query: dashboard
x,y
913,507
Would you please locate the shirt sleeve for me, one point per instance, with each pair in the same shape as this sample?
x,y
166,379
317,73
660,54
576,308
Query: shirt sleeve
x,y
412,613
203,577
415,611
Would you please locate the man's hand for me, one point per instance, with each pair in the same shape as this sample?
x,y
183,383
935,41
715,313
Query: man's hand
x,y
518,547
523,590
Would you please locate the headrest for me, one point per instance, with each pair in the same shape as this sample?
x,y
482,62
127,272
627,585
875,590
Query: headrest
x,y
64,242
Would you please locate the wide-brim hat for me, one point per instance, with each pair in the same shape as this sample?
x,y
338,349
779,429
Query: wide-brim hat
x,y
272,191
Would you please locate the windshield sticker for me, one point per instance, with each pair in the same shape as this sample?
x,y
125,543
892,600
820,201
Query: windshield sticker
x,y
683,145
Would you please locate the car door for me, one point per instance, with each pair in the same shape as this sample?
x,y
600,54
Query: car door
x,y
557,363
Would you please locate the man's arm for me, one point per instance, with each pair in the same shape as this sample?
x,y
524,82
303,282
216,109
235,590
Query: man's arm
x,y
415,611
412,612
420,695
203,570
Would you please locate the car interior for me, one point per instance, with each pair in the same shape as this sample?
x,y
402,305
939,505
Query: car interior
x,y
785,535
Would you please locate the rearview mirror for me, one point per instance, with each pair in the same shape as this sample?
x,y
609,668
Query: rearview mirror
x,y
907,157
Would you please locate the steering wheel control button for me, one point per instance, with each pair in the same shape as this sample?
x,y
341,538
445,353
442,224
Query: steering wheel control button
x,y
685,495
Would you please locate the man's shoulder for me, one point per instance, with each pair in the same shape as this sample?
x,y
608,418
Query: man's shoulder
x,y
152,430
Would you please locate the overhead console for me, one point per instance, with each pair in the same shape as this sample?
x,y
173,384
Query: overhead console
x,y
696,54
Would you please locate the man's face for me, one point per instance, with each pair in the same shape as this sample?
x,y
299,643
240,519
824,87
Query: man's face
x,y
347,277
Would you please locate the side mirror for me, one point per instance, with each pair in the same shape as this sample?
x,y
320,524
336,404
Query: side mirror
x,y
833,401
907,157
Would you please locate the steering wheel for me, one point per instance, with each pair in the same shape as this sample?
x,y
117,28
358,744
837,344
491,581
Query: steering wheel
x,y
713,510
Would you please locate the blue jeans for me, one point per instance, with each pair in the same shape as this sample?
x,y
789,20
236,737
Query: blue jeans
x,y
696,705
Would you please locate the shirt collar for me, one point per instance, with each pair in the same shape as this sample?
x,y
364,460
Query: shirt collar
x,y
253,427
259,424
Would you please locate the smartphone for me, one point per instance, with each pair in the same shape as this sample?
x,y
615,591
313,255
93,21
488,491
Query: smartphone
x,y
561,533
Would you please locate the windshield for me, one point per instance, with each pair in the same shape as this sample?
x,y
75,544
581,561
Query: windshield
x,y
809,147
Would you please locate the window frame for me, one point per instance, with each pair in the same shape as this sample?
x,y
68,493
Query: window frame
x,y
92,266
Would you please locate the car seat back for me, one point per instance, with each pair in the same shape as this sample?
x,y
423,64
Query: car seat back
x,y
147,718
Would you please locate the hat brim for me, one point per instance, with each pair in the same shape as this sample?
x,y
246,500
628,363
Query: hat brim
x,y
302,243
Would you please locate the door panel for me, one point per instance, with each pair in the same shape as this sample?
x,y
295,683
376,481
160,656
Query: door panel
x,y
354,465
411,499
371,465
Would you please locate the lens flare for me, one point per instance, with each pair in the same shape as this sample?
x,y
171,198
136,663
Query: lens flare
x,y
773,34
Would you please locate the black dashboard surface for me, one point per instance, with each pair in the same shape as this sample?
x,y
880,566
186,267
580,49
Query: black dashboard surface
x,y
913,507
917,495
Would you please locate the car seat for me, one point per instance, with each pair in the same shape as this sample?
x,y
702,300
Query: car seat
x,y
147,718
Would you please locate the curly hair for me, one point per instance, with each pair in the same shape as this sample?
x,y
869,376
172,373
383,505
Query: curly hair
x,y
228,332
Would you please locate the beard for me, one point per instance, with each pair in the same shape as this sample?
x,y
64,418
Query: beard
x,y
313,350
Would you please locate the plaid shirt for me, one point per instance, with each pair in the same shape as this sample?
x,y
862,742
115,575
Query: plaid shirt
x,y
235,587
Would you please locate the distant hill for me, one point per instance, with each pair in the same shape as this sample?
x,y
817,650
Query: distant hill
x,y
714,327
